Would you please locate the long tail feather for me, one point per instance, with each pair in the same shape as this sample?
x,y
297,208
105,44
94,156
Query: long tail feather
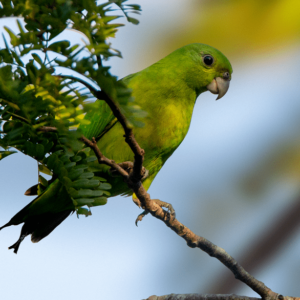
x,y
39,227
17,244
48,224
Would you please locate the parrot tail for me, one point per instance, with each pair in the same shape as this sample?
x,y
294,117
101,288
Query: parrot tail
x,y
39,227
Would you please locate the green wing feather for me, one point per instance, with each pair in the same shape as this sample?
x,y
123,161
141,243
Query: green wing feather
x,y
101,118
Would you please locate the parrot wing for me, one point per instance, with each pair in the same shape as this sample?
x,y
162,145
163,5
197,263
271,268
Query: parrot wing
x,y
101,119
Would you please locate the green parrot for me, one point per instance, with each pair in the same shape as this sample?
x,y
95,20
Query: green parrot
x,y
167,91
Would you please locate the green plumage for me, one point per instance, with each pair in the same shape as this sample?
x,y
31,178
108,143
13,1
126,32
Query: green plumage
x,y
167,91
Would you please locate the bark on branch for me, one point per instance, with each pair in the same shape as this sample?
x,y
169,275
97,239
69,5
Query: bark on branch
x,y
201,297
47,129
210,297
101,158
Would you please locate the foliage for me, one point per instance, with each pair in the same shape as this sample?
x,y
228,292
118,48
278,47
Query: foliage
x,y
33,96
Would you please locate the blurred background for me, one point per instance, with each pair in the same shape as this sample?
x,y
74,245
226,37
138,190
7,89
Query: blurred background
x,y
234,180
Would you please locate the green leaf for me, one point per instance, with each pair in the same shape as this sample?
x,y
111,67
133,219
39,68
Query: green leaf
x,y
91,158
66,181
99,178
37,58
70,165
51,161
17,58
43,181
20,26
30,149
60,47
13,105
98,201
85,184
83,201
133,20
86,175
45,170
13,37
74,174
39,151
83,167
76,158
6,44
83,211
87,193
47,145
106,193
105,186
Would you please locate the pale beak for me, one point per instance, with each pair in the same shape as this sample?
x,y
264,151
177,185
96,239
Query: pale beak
x,y
219,86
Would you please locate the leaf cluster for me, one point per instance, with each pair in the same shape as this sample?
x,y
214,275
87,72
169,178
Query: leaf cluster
x,y
74,172
34,96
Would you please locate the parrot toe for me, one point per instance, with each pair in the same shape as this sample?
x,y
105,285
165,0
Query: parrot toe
x,y
140,217
166,205
162,204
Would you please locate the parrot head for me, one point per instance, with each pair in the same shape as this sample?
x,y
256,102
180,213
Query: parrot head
x,y
217,70
209,69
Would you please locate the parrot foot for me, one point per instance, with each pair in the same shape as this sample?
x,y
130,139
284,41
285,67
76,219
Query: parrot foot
x,y
166,205
162,204
128,166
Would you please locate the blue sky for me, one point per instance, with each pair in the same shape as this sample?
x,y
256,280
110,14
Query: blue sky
x,y
106,256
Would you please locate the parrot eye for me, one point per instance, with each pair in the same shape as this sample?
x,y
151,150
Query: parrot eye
x,y
208,60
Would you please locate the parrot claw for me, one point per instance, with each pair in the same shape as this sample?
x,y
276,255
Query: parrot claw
x,y
162,204
146,174
140,217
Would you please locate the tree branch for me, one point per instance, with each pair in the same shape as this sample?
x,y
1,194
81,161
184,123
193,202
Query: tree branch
x,y
201,297
101,158
133,179
193,240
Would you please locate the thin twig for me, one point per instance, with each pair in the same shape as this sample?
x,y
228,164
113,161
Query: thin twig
x,y
101,158
99,61
129,136
47,129
83,82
